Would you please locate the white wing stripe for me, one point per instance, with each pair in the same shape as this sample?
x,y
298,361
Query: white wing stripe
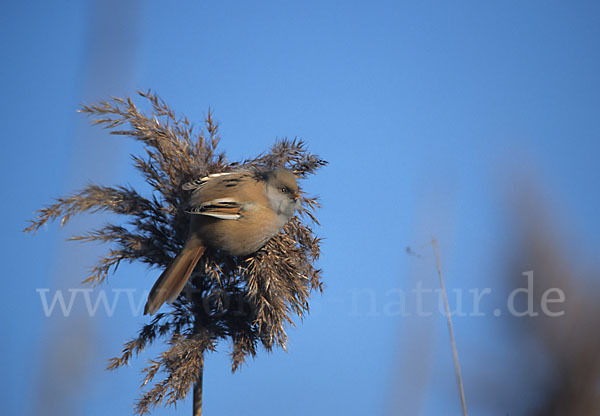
x,y
221,216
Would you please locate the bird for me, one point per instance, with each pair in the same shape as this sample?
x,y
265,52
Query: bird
x,y
236,212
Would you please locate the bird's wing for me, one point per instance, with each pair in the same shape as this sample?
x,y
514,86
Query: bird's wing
x,y
223,208
199,183
222,195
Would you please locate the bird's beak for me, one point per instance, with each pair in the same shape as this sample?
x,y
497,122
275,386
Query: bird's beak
x,y
296,196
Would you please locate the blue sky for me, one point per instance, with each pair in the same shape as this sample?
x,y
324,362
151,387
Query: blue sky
x,y
431,114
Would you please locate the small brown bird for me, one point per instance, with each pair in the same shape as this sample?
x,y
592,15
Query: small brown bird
x,y
237,212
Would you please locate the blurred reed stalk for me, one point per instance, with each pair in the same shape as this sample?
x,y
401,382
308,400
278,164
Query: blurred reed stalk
x,y
450,328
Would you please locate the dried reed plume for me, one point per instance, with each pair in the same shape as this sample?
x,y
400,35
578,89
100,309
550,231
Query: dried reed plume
x,y
248,300
567,344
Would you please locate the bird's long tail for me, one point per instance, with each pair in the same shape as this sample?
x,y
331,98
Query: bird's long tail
x,y
172,281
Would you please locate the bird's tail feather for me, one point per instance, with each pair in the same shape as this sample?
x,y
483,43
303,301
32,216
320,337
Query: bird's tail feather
x,y
172,281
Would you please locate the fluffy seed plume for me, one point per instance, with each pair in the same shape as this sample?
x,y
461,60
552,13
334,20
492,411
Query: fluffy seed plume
x,y
247,300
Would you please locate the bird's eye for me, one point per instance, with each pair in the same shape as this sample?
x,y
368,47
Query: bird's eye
x,y
283,190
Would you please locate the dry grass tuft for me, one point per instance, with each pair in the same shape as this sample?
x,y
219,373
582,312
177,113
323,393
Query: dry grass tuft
x,y
248,300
